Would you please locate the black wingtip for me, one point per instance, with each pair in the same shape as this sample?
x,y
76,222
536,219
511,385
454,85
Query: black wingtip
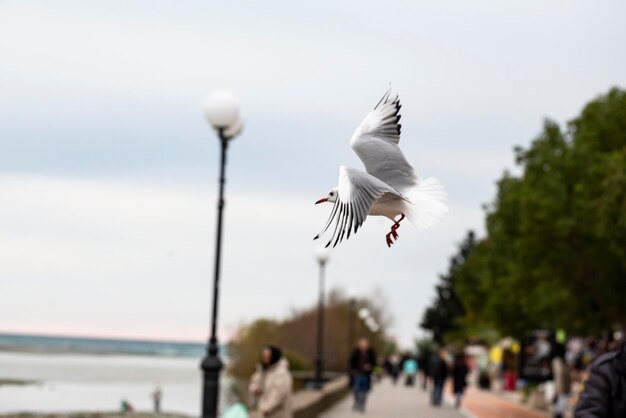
x,y
316,237
384,98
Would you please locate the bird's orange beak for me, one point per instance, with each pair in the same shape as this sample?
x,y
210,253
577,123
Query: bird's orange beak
x,y
322,200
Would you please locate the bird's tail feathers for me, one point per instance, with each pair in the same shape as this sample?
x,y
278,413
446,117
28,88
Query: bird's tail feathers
x,y
428,203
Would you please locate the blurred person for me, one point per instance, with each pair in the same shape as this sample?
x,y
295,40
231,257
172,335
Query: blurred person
x,y
590,353
509,368
423,364
362,362
409,369
126,406
573,350
156,398
542,349
236,410
393,367
459,377
482,364
561,373
379,368
439,373
604,392
272,384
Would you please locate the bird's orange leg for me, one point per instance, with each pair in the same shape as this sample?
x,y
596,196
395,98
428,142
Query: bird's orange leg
x,y
393,232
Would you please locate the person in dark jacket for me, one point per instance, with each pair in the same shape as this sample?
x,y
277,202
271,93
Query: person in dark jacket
x,y
423,364
459,377
362,362
604,393
438,372
393,366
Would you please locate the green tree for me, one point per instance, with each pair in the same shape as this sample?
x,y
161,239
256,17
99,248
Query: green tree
x,y
442,316
554,254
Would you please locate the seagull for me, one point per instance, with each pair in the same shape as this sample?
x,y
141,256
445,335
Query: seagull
x,y
388,187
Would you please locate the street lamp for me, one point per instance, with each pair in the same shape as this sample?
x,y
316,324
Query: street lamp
x,y
364,313
322,258
222,111
370,321
371,324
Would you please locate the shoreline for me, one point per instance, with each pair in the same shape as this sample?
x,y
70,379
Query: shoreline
x,y
17,382
86,351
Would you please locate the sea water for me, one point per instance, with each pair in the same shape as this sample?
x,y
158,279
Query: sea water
x,y
23,342
95,375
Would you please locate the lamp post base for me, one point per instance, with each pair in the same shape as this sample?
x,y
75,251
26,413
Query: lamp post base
x,y
318,382
211,366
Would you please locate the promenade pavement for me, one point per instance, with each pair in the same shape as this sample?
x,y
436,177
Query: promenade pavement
x,y
484,404
389,401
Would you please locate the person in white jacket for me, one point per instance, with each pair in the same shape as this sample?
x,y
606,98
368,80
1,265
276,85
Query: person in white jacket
x,y
272,385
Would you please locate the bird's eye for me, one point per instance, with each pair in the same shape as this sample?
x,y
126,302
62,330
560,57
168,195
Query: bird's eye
x,y
331,193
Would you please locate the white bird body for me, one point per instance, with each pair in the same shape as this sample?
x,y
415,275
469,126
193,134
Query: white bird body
x,y
389,187
388,205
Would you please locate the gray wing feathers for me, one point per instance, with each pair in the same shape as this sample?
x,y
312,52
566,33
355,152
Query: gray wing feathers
x,y
376,143
383,121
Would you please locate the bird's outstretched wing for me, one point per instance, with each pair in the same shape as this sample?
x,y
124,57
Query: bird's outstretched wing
x,y
357,192
376,143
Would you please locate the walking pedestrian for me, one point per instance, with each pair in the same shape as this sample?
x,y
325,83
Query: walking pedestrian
x,y
362,362
409,369
562,381
393,367
271,385
604,393
459,377
423,364
438,372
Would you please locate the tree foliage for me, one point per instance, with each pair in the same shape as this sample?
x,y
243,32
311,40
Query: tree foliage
x,y
554,254
296,335
442,317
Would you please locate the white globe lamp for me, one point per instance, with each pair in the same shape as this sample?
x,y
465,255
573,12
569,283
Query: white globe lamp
x,y
222,110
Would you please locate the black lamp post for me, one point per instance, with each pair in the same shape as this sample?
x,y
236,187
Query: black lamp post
x,y
322,258
222,111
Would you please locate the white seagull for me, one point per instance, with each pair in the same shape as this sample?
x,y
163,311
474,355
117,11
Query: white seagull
x,y
389,187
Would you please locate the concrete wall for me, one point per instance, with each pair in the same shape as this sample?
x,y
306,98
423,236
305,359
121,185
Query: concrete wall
x,y
311,403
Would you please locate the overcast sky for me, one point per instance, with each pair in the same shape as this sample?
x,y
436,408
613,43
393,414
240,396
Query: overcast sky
x,y
108,170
